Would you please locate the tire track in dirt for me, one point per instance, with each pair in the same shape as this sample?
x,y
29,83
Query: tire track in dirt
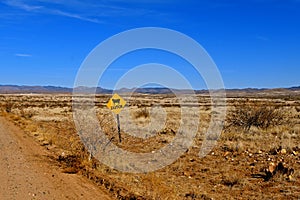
x,y
26,174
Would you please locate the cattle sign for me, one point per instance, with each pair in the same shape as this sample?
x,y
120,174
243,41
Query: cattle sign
x,y
116,104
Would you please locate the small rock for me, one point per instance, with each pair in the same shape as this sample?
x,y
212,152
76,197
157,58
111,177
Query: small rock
x,y
45,143
226,153
259,152
283,151
272,167
295,153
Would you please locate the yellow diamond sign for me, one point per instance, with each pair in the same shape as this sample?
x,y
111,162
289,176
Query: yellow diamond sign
x,y
116,103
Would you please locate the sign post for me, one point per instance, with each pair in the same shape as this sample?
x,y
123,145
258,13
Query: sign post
x,y
116,104
119,129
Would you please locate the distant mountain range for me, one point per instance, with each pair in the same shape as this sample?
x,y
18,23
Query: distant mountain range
x,y
16,89
8,89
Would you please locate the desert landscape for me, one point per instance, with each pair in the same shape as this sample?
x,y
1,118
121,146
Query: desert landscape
x,y
149,99
256,156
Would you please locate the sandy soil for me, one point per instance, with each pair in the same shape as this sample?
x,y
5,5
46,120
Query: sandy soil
x,y
27,174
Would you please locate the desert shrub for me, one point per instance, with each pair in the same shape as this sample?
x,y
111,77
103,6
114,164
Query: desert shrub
x,y
8,106
260,116
142,113
27,114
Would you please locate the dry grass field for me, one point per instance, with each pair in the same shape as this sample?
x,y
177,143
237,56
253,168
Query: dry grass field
x,y
257,155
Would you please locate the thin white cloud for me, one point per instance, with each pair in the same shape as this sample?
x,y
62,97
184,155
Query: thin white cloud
x,y
95,11
41,9
73,15
21,5
23,55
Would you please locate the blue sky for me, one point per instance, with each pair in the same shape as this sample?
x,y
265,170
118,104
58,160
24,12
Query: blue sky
x,y
255,43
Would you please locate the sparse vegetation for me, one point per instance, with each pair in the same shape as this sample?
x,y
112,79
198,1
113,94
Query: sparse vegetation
x,y
8,106
248,115
142,112
237,167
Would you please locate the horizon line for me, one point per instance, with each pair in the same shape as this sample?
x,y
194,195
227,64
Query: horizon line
x,y
125,88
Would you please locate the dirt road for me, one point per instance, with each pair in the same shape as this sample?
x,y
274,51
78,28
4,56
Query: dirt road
x,y
26,173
